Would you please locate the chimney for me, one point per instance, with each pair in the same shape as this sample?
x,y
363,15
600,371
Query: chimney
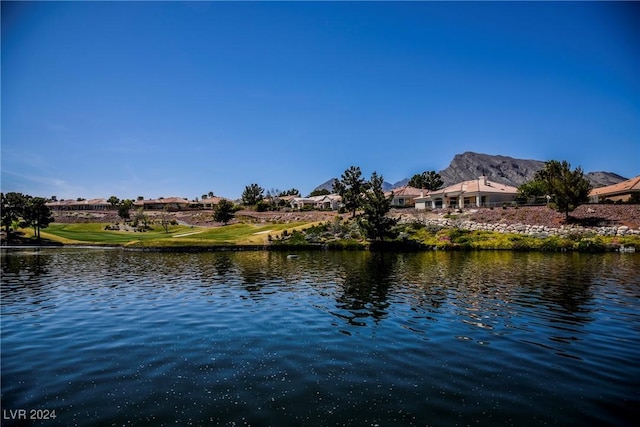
x,y
483,179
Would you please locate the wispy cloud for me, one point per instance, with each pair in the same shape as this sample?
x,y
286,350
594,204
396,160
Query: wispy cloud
x,y
40,185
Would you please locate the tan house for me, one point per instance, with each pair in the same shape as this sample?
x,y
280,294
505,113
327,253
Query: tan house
x,y
478,192
79,205
404,196
209,202
171,203
328,201
620,192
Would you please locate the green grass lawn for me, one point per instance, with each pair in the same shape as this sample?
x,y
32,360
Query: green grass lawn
x,y
179,235
258,234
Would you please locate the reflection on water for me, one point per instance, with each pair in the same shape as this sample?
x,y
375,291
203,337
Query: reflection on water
x,y
357,338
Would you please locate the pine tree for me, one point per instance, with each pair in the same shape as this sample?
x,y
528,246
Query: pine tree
x,y
351,187
374,221
428,180
224,211
565,187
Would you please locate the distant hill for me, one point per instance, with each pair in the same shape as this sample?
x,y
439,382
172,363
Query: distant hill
x,y
502,169
602,179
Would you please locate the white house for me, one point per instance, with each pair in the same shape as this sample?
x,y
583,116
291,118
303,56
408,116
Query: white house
x,y
328,201
478,192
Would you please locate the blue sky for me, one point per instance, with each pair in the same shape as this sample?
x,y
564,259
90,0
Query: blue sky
x,y
178,99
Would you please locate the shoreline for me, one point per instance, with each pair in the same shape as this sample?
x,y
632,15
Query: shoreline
x,y
387,246
596,228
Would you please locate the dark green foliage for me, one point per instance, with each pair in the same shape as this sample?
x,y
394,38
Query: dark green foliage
x,y
262,206
113,201
374,221
589,245
429,180
351,187
30,211
36,214
252,194
532,191
319,192
13,205
566,188
562,188
123,209
291,192
224,211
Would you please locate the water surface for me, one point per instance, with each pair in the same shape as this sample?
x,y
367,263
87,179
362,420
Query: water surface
x,y
108,337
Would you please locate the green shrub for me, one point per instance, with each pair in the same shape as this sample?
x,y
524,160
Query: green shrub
x,y
555,244
590,244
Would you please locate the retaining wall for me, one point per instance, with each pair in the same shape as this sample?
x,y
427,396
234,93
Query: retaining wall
x,y
530,230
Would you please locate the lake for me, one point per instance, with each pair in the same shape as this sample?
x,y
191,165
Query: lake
x,y
106,337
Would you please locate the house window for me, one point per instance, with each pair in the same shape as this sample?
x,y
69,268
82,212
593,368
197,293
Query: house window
x,y
401,202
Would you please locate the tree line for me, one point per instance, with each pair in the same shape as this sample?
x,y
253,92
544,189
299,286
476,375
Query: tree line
x,y
22,210
562,188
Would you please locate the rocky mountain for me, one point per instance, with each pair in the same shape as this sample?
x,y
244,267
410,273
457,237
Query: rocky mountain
x,y
327,185
502,169
508,170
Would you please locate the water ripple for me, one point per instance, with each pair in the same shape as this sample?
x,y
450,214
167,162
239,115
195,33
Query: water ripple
x,y
111,337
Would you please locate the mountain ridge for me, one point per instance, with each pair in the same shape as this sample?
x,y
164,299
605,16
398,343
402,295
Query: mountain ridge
x,y
498,168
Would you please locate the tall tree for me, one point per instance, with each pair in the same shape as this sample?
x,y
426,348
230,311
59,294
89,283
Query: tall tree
x,y
351,187
374,221
433,181
252,194
113,201
13,205
223,212
123,209
140,217
565,187
165,219
429,180
36,214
